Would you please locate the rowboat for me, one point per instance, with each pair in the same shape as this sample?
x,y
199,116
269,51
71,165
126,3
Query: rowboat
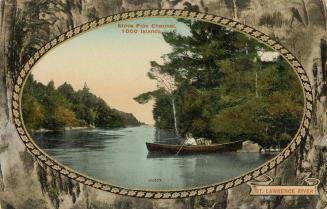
x,y
190,149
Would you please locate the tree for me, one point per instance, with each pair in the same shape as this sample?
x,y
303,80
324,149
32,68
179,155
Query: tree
x,y
167,83
66,90
34,109
65,116
219,86
45,106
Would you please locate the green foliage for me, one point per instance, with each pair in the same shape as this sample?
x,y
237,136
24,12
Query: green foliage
x,y
105,117
44,106
34,109
224,90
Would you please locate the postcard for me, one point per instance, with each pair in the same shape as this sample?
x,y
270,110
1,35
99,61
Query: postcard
x,y
168,104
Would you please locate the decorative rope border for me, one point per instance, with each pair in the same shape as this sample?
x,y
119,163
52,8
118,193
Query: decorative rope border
x,y
162,194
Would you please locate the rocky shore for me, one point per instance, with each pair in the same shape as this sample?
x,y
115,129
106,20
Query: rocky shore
x,y
249,146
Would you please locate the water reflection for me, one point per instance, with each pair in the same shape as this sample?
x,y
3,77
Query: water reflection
x,y
74,139
120,157
166,136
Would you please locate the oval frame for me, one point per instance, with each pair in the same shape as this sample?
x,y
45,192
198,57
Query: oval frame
x,y
45,160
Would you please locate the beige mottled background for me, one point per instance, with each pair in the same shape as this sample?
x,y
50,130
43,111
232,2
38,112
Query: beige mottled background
x,y
25,25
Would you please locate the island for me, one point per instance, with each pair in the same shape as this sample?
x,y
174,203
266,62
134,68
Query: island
x,y
46,107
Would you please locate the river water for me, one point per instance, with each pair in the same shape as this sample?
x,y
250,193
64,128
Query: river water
x,y
120,157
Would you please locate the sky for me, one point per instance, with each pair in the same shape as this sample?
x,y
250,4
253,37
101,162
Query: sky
x,y
113,64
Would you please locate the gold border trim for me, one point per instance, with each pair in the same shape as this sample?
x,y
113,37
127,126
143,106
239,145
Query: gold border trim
x,y
46,160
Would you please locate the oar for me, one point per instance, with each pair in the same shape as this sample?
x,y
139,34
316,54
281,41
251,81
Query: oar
x,y
181,147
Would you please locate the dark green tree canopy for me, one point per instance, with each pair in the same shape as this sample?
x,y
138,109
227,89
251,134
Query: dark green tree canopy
x,y
223,89
45,106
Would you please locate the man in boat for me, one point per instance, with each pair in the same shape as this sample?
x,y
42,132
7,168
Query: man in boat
x,y
190,140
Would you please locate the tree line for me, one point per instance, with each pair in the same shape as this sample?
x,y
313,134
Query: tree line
x,y
44,106
222,89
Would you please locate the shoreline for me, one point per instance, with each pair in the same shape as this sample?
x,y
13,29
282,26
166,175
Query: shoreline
x,y
247,146
78,128
43,130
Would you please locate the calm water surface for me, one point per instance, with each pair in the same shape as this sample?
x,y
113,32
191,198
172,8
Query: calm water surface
x,y
120,157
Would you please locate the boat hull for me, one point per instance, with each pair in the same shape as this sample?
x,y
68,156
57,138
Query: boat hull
x,y
190,149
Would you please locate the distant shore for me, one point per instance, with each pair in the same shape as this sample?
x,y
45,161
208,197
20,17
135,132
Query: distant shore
x,y
43,130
